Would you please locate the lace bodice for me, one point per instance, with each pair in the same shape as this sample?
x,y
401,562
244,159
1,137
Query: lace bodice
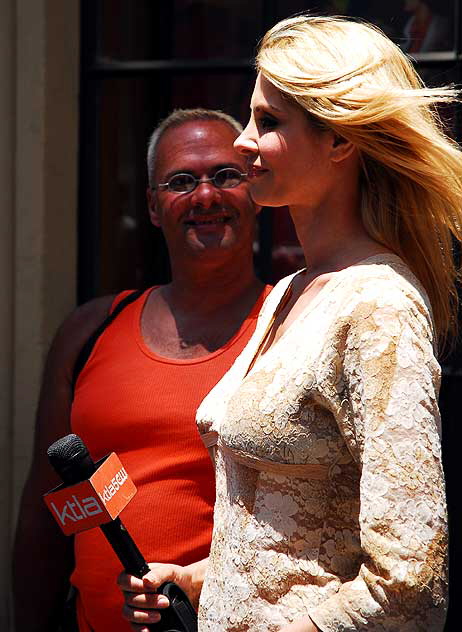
x,y
330,491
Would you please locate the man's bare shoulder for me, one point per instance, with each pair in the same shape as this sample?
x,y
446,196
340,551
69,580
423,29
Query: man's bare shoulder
x,y
83,321
53,414
76,329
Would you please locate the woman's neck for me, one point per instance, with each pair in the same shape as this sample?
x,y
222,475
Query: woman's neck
x,y
333,237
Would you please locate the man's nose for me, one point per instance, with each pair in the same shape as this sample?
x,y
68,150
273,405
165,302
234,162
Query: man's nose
x,y
206,194
245,143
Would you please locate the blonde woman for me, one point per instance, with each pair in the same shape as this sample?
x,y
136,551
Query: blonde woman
x,y
330,511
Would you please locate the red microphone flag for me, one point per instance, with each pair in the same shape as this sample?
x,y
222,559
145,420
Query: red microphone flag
x,y
93,502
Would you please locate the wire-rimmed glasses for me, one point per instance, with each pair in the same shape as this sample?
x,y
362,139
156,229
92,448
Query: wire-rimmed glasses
x,y
226,178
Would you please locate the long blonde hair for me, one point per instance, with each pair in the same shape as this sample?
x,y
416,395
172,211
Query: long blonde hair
x,y
347,75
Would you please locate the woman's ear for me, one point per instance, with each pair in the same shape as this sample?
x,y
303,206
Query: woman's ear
x,y
152,207
341,148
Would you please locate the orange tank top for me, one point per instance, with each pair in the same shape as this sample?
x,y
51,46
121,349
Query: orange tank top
x,y
142,406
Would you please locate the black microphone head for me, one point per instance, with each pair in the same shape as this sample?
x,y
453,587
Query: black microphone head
x,y
67,448
70,458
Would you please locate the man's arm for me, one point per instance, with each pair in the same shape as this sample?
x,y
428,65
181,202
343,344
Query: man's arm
x,y
43,556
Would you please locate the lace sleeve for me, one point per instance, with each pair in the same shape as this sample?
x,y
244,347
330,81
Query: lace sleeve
x,y
390,420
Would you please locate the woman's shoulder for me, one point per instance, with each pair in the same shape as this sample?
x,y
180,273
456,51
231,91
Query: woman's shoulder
x,y
384,283
386,277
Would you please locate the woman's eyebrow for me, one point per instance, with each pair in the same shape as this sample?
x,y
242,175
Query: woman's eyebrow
x,y
265,106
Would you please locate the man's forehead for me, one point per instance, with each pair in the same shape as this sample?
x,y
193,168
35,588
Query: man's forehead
x,y
205,141
201,130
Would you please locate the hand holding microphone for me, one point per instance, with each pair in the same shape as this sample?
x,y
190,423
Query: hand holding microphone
x,y
94,495
142,597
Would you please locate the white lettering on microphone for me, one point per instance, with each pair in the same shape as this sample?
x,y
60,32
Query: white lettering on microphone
x,y
87,508
75,509
114,485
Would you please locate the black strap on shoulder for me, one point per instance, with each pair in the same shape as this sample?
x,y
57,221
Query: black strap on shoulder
x,y
87,348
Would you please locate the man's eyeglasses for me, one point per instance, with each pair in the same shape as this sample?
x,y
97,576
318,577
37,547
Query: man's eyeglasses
x,y
185,182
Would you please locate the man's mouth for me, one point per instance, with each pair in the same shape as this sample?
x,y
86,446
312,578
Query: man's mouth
x,y
207,220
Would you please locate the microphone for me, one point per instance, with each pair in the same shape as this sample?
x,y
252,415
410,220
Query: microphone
x,y
72,462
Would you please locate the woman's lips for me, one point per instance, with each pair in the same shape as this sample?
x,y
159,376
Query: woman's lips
x,y
255,172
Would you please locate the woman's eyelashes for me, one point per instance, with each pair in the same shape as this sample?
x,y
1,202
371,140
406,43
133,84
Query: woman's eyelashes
x,y
267,122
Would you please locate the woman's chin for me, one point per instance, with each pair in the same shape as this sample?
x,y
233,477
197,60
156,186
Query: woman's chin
x,y
266,200
261,197
264,193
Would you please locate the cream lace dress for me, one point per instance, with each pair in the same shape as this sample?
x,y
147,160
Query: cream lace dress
x,y
330,491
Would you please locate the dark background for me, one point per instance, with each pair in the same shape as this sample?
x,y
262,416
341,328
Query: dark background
x,y
139,60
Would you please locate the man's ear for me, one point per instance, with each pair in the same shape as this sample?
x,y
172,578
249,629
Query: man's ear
x,y
341,148
152,206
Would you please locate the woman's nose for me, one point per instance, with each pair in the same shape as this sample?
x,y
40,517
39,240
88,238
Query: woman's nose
x,y
245,143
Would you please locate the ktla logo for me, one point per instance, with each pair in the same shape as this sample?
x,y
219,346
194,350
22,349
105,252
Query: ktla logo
x,y
77,510
93,502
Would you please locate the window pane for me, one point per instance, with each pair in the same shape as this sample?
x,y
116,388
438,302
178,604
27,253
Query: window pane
x,y
419,26
211,29
183,29
230,92
130,249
